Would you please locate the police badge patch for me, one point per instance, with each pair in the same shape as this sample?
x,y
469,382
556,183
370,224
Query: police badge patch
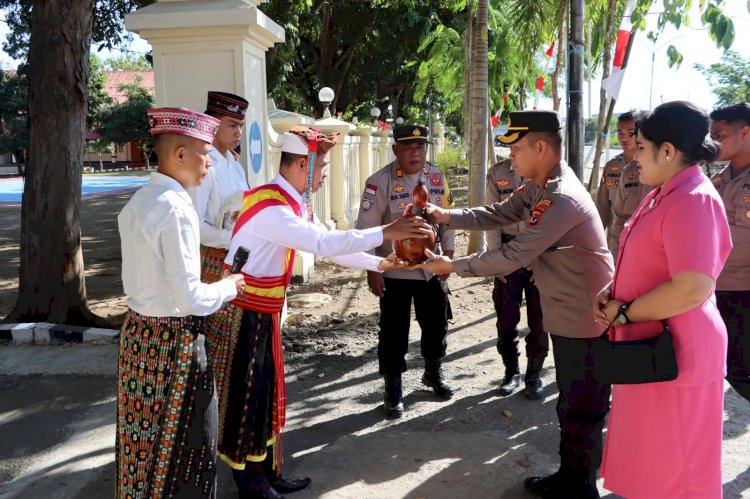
x,y
539,209
366,204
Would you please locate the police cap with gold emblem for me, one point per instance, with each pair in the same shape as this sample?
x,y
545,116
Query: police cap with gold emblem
x,y
522,122
410,134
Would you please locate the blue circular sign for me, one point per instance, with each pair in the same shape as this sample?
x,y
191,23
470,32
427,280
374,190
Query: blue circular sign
x,y
256,147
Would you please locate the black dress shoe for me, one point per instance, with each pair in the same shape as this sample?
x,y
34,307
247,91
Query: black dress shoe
x,y
534,389
269,493
557,486
393,400
540,485
289,485
433,377
509,384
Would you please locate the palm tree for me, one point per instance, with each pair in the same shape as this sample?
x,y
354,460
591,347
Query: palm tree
x,y
480,116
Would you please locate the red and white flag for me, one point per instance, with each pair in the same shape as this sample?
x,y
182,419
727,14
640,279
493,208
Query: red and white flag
x,y
496,117
613,82
540,80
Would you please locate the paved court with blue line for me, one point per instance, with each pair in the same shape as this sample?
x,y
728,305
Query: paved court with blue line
x,y
93,187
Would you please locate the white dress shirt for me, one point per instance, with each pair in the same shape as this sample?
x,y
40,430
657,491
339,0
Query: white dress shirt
x,y
161,265
273,230
218,197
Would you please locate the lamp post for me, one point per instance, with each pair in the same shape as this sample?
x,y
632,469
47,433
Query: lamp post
x,y
325,96
375,113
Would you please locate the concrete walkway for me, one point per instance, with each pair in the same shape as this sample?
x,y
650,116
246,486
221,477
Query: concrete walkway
x,y
57,423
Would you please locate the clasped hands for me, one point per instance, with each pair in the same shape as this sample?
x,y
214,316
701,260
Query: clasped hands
x,y
606,309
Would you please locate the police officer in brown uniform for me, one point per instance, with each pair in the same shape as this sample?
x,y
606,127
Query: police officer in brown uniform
x,y
563,241
386,195
507,293
620,191
731,127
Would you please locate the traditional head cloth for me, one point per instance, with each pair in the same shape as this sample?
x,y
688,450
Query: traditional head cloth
x,y
182,122
309,142
227,104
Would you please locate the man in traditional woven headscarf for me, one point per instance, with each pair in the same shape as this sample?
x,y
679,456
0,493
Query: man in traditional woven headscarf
x,y
277,220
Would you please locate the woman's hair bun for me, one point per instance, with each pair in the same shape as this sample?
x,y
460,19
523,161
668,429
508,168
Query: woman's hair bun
x,y
708,151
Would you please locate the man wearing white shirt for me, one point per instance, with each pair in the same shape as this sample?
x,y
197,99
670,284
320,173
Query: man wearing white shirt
x,y
219,198
218,201
276,221
166,407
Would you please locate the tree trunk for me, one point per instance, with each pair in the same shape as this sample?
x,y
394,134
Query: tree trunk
x,y
561,49
466,105
51,285
575,89
606,67
480,117
22,161
146,153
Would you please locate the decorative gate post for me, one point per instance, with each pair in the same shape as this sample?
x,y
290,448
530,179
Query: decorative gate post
x,y
213,45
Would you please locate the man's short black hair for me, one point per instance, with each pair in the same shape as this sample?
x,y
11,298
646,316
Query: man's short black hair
x,y
287,158
736,113
213,114
635,116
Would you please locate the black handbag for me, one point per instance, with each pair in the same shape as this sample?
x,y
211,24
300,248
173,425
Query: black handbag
x,y
648,360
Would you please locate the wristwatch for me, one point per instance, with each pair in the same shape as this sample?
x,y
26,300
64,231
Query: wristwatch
x,y
621,318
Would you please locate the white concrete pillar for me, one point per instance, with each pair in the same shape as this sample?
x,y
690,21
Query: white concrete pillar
x,y
339,173
385,151
366,166
202,45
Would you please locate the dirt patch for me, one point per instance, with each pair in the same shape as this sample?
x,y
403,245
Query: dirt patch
x,y
476,444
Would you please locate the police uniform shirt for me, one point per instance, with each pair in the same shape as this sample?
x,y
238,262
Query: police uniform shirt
x,y
501,182
562,240
388,192
161,265
273,230
605,194
218,197
735,192
627,196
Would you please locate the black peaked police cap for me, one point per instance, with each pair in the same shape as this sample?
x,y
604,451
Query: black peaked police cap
x,y
522,122
410,134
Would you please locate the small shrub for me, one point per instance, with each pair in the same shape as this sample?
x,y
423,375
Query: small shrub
x,y
451,158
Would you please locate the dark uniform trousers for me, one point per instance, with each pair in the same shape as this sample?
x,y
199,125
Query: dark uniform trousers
x,y
431,310
507,299
582,406
735,310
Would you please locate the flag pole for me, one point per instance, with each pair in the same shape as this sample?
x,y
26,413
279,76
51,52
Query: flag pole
x,y
612,102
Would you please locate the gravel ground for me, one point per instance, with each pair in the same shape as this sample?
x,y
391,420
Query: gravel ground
x,y
58,405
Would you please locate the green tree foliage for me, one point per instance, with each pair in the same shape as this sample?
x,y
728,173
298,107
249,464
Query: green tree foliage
x,y
366,51
677,13
98,98
108,24
14,104
126,122
128,61
730,78
14,112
